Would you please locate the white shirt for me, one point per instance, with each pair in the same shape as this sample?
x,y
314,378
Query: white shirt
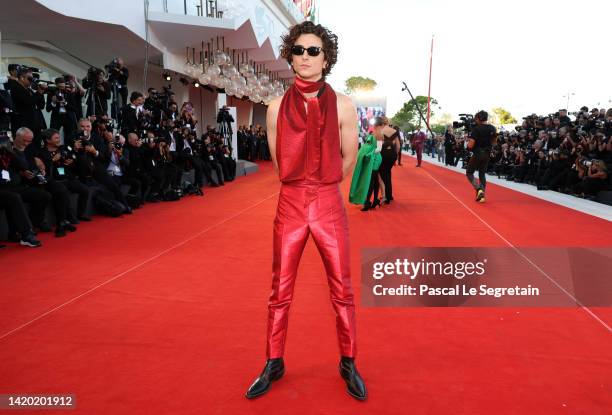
x,y
172,143
114,166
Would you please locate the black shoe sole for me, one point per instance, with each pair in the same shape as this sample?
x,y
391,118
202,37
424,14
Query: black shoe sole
x,y
269,387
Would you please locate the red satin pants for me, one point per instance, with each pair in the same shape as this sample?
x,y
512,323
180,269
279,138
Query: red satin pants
x,y
304,208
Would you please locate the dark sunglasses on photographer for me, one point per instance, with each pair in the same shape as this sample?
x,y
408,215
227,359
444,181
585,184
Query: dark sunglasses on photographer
x,y
299,50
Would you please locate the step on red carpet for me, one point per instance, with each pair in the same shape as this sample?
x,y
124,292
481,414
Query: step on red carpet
x,y
164,311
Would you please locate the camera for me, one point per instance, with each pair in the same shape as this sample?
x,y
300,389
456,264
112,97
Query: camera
x,y
117,142
466,121
92,76
67,153
112,66
39,178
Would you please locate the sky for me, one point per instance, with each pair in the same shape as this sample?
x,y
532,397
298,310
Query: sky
x,y
522,55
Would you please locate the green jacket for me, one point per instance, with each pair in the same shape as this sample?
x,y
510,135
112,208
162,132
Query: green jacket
x,y
368,160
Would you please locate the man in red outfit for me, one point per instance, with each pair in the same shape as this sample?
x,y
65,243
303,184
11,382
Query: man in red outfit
x,y
418,142
312,135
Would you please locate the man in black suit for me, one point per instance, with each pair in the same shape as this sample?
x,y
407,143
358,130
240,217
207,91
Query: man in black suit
x,y
27,104
133,114
60,104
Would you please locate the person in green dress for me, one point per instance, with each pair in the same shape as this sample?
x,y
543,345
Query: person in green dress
x,y
365,179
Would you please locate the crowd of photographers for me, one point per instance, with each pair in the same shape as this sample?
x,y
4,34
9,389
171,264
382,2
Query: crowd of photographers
x,y
552,152
146,144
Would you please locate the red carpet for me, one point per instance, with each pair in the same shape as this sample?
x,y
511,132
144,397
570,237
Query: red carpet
x,y
164,312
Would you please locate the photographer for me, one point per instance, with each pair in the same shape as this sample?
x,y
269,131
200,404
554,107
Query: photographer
x,y
480,140
151,156
11,199
594,178
118,76
228,163
77,93
57,163
172,113
165,170
60,103
224,123
27,103
133,115
188,157
98,92
135,170
188,120
209,156
61,162
116,168
23,179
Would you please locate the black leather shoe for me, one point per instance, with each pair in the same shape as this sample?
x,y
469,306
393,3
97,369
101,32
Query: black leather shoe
x,y
69,226
274,370
354,383
366,207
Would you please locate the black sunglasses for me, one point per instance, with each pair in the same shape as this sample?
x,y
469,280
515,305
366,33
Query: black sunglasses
x,y
299,50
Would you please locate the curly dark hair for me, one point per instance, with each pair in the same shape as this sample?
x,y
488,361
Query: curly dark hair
x,y
330,43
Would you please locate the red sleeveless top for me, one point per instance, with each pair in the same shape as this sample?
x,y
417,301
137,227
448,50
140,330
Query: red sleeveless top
x,y
308,143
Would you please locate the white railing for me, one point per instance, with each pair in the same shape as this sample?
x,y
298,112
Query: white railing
x,y
206,8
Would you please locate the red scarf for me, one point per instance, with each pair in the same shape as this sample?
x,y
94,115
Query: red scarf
x,y
308,140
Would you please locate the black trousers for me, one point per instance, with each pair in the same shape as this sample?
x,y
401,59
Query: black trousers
x,y
213,165
188,162
388,160
372,189
103,178
16,213
38,199
164,176
83,192
61,200
134,182
479,161
146,183
228,165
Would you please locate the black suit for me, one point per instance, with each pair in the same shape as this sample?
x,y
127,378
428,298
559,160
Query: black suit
x,y
62,115
27,106
130,121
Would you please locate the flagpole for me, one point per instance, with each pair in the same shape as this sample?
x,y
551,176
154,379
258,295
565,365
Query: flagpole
x,y
429,91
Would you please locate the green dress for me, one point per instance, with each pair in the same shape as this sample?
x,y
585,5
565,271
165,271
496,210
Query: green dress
x,y
368,160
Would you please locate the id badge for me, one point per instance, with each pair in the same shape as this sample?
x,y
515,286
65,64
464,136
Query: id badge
x,y
211,157
60,171
62,110
6,176
153,163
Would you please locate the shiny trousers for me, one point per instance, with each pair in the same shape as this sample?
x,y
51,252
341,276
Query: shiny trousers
x,y
304,208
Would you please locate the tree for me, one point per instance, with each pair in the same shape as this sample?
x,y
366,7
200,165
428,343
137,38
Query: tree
x,y
408,118
439,128
503,116
359,83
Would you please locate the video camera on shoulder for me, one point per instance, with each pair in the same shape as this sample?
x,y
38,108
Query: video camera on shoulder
x,y
466,122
